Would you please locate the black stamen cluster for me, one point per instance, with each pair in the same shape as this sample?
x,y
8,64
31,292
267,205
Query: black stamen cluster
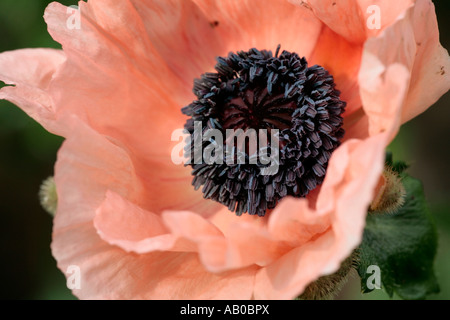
x,y
259,90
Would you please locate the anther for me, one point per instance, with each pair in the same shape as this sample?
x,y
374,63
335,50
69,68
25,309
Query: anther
x,y
258,90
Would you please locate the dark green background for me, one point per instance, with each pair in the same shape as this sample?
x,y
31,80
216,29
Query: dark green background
x,y
28,152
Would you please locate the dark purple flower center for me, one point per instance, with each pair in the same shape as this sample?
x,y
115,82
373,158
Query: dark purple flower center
x,y
261,91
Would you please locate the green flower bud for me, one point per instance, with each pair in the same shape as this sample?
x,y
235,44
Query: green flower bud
x,y
390,193
48,196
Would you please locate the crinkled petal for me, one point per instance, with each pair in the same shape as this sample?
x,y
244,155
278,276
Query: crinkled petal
x,y
287,276
122,223
383,92
116,93
245,242
430,74
342,59
352,19
133,229
89,165
403,71
120,85
129,218
246,24
183,35
108,271
29,73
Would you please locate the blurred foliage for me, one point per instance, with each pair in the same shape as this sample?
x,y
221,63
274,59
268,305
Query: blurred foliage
x,y
403,246
28,153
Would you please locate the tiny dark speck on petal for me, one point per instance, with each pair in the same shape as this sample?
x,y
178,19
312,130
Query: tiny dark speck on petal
x,y
334,3
214,24
442,71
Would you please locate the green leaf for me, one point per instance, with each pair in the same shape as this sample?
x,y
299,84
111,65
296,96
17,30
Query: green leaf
x,y
403,246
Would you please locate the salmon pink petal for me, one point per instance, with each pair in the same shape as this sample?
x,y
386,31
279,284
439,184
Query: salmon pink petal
x,y
403,71
133,229
383,91
124,275
29,72
222,239
311,214
86,157
292,215
175,34
356,125
244,245
384,76
342,59
103,42
350,18
108,272
430,74
189,225
365,166
183,35
125,90
295,223
287,277
132,90
257,24
130,219
122,223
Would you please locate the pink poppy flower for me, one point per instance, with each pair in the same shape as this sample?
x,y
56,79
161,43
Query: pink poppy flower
x,y
130,219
